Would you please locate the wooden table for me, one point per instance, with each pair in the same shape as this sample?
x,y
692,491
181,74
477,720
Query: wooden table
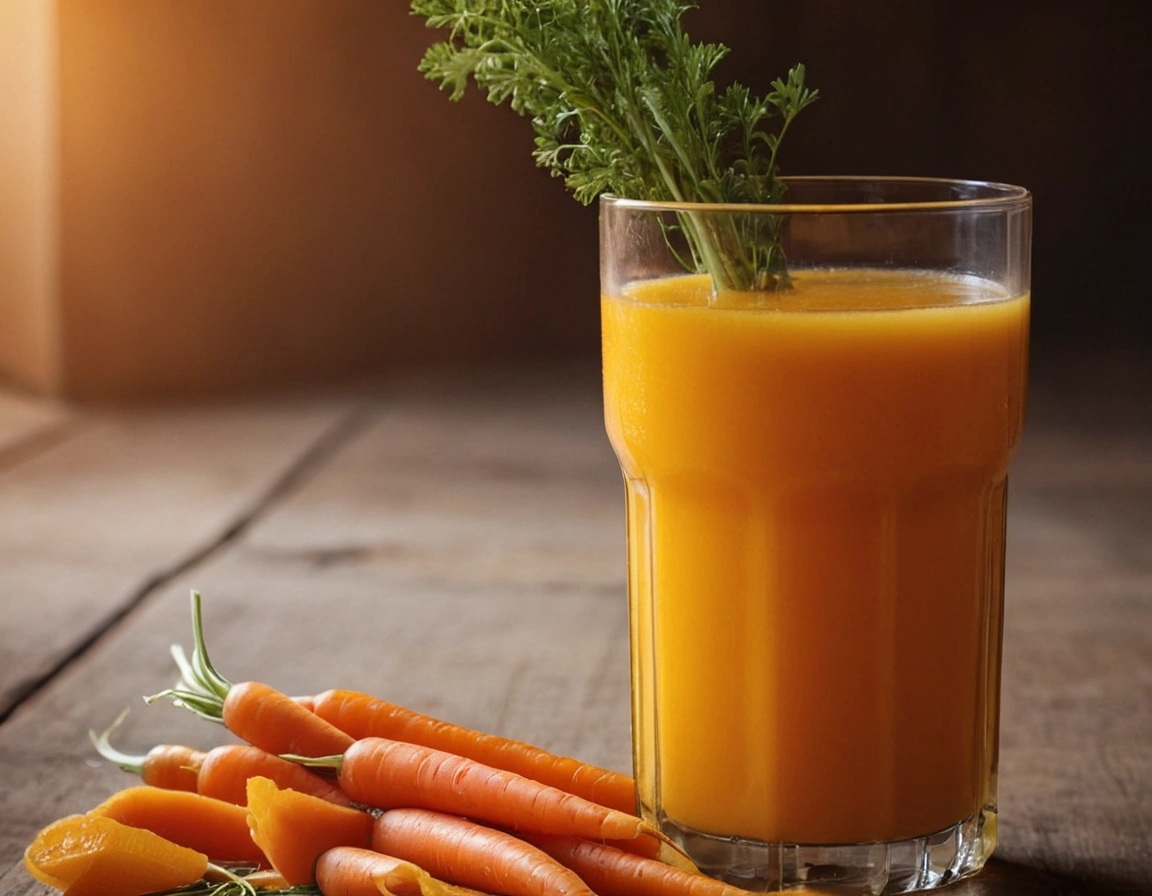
x,y
456,543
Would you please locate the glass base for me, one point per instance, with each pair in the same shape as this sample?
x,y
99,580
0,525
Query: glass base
x,y
896,866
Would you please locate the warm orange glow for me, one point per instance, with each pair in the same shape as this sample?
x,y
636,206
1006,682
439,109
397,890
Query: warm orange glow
x,y
28,163
193,202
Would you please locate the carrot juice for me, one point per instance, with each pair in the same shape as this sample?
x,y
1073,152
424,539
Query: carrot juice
x,y
816,496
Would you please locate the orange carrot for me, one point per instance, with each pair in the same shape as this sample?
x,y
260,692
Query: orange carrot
x,y
228,768
222,772
90,855
389,774
172,766
349,871
213,827
361,715
614,872
273,721
658,848
463,852
294,829
254,711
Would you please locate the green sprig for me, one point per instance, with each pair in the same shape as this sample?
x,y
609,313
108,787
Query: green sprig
x,y
622,101
201,688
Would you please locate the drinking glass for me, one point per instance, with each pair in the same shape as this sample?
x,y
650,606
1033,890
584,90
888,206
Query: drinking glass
x,y
814,405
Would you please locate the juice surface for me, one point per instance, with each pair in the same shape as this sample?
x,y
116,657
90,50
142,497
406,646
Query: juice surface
x,y
816,531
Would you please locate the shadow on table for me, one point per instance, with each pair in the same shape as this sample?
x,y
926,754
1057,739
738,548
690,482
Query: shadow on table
x,y
1004,878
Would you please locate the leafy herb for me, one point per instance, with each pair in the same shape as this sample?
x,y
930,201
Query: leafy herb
x,y
622,101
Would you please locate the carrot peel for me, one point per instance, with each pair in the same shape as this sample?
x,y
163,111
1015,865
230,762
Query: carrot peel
x,y
213,827
295,829
92,855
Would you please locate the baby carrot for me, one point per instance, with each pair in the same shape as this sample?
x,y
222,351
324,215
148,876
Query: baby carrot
x,y
92,855
171,766
463,852
273,721
252,710
228,768
389,774
293,829
361,715
221,772
614,872
349,871
213,827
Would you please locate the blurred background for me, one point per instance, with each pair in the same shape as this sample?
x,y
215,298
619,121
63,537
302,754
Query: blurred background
x,y
236,195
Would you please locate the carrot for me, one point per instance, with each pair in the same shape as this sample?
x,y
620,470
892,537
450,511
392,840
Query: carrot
x,y
213,827
91,855
389,774
293,829
361,715
349,871
463,852
171,766
658,848
273,721
228,768
221,772
252,710
614,872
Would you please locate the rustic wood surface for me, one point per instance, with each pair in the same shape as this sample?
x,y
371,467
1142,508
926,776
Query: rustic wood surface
x,y
456,543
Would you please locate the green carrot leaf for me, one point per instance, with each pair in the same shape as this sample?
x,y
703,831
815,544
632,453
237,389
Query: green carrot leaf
x,y
622,101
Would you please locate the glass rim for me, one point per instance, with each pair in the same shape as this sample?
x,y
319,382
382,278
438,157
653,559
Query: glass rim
x,y
1001,196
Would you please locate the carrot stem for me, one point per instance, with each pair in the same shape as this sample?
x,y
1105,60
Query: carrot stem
x,y
202,689
230,878
333,762
202,667
102,741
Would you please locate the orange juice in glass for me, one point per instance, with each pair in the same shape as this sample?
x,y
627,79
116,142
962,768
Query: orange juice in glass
x,y
815,482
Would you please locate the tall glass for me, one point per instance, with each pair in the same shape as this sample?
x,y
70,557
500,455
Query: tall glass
x,y
815,482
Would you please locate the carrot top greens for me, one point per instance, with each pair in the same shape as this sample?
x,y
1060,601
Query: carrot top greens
x,y
201,689
622,101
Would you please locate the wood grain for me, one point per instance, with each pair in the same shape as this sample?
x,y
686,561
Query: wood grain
x,y
92,521
1076,736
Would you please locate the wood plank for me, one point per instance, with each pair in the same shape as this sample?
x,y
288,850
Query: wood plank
x,y
87,524
499,485
1076,740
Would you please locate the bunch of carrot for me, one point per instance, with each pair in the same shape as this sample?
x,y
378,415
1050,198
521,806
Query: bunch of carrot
x,y
347,795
